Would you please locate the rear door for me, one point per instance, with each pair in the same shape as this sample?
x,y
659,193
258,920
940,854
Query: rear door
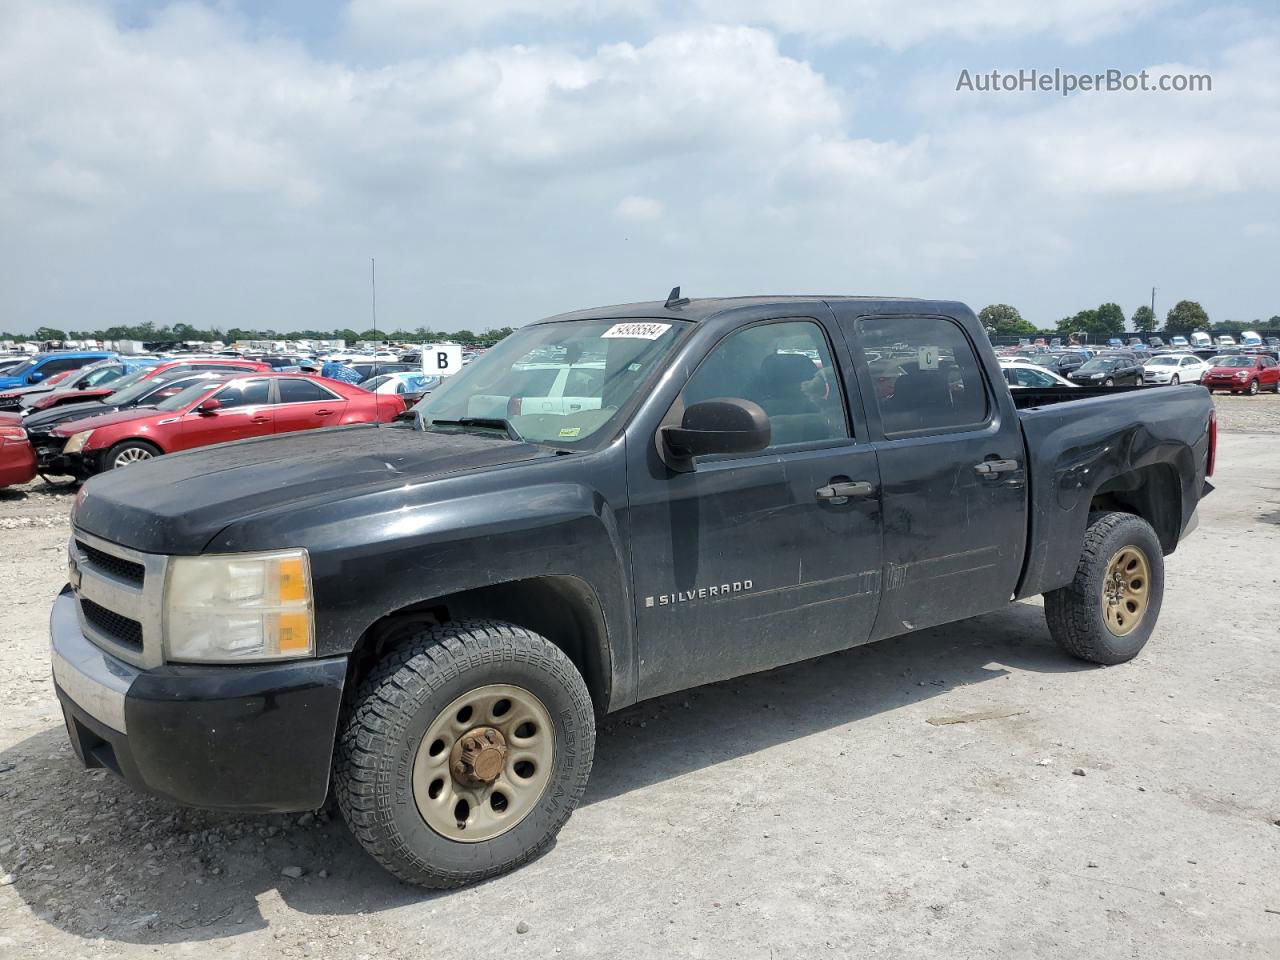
x,y
245,410
951,468
306,405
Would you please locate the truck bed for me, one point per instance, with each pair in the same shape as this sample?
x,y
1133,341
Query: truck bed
x,y
1076,437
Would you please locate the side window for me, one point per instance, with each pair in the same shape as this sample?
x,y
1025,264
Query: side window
x,y
926,376
784,367
302,391
63,364
245,395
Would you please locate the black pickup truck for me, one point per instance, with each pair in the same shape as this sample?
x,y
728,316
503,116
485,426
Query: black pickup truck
x,y
428,617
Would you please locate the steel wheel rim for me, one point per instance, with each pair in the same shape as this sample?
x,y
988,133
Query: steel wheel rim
x,y
1126,590
133,455
1253,388
524,728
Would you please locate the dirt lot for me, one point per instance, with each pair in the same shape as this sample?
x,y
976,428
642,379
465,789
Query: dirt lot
x,y
808,812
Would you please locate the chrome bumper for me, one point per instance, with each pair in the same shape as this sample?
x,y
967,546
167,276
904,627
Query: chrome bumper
x,y
95,681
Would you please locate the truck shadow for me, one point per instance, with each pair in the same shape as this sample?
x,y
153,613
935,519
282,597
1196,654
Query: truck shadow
x,y
93,858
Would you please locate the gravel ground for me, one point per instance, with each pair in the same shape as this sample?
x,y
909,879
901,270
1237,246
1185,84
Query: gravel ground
x,y
812,811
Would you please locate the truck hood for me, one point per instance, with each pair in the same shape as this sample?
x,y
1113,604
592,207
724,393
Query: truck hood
x,y
178,503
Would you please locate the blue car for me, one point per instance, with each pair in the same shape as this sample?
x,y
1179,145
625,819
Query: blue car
x,y
44,365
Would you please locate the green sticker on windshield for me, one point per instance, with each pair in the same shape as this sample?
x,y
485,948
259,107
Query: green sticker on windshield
x,y
570,431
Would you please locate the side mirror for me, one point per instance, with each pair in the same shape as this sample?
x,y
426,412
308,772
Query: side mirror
x,y
209,406
723,425
35,377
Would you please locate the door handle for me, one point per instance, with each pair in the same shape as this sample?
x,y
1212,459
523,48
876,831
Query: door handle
x,y
323,413
989,468
259,419
842,491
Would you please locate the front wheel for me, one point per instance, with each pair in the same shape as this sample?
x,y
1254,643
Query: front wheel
x,y
1108,382
1107,612
1175,381
1253,388
128,453
466,750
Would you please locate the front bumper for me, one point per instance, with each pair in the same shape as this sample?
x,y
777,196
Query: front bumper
x,y
253,738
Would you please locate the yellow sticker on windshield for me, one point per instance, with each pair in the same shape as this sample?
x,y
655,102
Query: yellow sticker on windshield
x,y
570,431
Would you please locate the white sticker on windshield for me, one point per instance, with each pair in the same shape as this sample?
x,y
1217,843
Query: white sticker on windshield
x,y
636,331
927,358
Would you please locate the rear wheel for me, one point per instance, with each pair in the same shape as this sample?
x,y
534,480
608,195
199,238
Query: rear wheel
x,y
1106,614
466,751
128,453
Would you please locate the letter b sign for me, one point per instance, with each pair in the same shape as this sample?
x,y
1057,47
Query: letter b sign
x,y
441,359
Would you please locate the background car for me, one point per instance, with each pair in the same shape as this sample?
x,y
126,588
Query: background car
x,y
1108,370
411,387
1244,374
203,414
1174,368
40,424
1225,341
44,365
97,379
152,370
1020,376
17,462
1180,342
11,398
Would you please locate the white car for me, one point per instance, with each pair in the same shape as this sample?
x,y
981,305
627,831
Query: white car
x,y
1225,341
1179,342
401,384
1174,368
1021,374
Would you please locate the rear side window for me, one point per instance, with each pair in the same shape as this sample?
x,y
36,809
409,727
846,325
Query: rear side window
x,y
925,374
302,391
253,393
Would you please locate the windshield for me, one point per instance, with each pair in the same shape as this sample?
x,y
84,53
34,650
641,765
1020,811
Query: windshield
x,y
21,369
1098,366
180,401
558,383
1163,362
1235,362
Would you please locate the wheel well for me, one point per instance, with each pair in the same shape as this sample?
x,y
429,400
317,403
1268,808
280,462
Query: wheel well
x,y
563,609
1153,493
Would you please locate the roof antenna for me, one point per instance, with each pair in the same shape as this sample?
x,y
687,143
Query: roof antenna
x,y
674,300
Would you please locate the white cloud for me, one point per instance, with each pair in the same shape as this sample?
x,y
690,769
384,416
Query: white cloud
x,y
890,22
638,209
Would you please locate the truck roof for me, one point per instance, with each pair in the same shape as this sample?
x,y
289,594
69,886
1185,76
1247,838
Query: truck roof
x,y
703,308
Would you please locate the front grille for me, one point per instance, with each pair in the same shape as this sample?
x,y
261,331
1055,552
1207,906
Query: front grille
x,y
127,570
122,630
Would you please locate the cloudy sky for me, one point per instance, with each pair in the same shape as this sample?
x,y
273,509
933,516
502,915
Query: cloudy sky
x,y
237,163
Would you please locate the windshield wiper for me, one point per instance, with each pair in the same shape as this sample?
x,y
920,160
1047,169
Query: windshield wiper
x,y
493,423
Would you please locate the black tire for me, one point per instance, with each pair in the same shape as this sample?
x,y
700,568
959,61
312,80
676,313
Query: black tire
x,y
1175,381
392,711
1108,382
1075,612
1253,388
129,452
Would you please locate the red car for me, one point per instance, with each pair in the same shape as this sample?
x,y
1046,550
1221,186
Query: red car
x,y
1244,374
204,414
161,371
17,459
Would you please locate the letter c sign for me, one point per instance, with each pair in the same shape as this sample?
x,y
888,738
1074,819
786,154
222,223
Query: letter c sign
x,y
441,359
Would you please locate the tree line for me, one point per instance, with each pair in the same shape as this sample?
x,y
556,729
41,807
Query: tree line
x,y
1108,319
181,332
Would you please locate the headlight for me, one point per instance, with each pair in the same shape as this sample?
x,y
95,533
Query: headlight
x,y
1095,376
1242,375
239,607
77,441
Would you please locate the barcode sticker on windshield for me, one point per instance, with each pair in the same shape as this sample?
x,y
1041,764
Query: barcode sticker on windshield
x,y
636,331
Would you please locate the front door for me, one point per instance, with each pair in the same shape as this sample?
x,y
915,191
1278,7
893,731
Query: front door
x,y
245,410
951,464
747,562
